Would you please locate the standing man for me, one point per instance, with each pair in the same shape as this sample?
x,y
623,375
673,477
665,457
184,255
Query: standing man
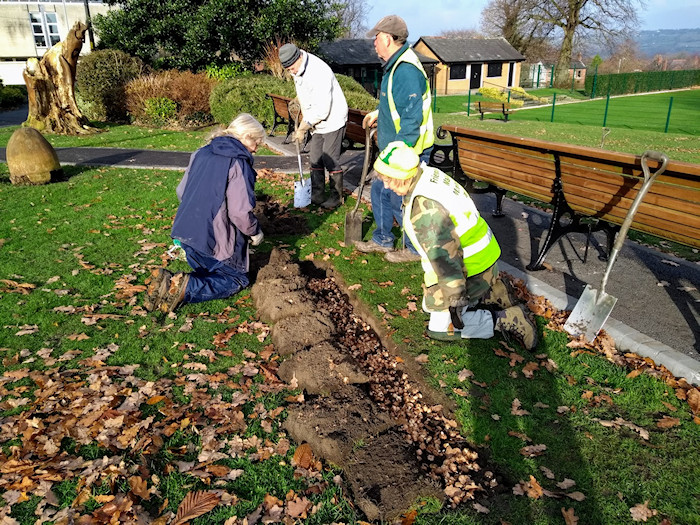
x,y
325,113
405,115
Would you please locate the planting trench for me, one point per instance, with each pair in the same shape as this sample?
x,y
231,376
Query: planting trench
x,y
367,409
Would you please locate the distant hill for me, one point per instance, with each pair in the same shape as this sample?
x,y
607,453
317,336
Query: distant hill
x,y
669,41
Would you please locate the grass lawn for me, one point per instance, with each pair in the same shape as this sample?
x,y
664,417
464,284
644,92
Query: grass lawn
x,y
106,409
638,112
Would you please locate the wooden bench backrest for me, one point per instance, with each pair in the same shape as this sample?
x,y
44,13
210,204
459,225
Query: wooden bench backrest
x,y
280,103
493,106
596,183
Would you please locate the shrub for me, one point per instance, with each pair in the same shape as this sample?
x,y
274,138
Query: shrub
x,y
11,96
160,110
247,94
101,79
356,95
226,72
188,90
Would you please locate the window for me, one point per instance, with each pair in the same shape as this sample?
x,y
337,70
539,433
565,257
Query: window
x,y
495,69
44,28
458,71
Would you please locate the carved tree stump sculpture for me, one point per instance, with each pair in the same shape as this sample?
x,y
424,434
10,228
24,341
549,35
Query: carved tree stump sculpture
x,y
52,106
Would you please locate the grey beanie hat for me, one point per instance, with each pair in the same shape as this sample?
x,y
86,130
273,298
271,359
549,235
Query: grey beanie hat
x,y
289,53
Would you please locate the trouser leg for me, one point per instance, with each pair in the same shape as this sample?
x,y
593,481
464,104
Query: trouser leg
x,y
318,169
335,187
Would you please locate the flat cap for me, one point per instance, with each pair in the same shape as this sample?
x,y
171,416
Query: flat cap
x,y
391,24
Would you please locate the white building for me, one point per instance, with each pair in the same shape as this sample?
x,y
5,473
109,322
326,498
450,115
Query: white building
x,y
29,29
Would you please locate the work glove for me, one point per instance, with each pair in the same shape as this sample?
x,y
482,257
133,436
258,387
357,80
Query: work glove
x,y
456,317
257,238
300,132
457,303
370,119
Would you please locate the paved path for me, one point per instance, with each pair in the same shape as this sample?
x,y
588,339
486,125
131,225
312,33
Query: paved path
x,y
657,312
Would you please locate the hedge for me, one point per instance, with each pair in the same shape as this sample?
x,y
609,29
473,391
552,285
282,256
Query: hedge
x,y
247,95
641,82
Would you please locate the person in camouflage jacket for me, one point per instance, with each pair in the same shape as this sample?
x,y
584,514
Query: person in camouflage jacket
x,y
463,291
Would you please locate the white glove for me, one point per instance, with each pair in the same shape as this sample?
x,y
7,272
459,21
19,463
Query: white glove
x,y
257,238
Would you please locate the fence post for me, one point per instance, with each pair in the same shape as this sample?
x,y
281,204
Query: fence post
x,y
509,92
607,103
539,67
595,79
668,117
551,78
554,102
573,79
469,101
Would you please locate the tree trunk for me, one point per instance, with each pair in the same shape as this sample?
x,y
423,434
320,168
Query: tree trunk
x,y
52,106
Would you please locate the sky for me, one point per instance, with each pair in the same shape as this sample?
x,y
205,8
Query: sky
x,y
430,17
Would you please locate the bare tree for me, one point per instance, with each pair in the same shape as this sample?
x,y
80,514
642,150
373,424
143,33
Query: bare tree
x,y
625,59
353,14
461,33
512,19
50,91
610,19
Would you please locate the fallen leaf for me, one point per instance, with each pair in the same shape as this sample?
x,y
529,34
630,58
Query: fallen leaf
x,y
195,504
139,486
532,451
480,508
530,369
577,496
547,472
693,397
409,518
642,512
533,489
668,422
355,286
516,410
464,374
422,358
569,517
566,484
303,456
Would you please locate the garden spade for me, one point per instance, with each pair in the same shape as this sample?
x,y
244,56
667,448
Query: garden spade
x,y
302,188
593,307
353,219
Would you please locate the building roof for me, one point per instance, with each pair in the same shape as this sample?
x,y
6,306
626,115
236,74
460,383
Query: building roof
x,y
451,50
357,52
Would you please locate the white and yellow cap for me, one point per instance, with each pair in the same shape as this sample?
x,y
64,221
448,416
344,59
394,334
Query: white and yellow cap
x,y
398,161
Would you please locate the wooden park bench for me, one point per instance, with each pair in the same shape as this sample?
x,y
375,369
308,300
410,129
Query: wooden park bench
x,y
355,134
579,182
280,106
493,107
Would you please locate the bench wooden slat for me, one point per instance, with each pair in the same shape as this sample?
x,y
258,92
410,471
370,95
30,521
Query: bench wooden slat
x,y
596,183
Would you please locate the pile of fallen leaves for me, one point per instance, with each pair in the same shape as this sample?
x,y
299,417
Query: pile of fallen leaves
x,y
443,452
604,345
133,421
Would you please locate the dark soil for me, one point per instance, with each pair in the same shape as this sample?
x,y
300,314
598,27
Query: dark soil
x,y
365,410
276,219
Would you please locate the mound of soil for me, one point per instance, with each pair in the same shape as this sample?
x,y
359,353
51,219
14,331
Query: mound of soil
x,y
365,410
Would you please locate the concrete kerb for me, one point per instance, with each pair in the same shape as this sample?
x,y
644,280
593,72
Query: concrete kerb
x,y
626,339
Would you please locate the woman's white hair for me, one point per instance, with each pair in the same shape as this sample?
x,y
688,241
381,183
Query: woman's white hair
x,y
244,126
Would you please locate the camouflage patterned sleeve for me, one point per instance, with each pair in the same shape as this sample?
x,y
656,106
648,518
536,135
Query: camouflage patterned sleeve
x,y
436,234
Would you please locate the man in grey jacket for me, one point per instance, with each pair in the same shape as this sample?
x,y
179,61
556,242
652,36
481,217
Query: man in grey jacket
x,y
325,113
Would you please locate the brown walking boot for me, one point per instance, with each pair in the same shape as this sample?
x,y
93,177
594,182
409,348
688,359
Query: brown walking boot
x,y
176,292
518,322
501,294
156,288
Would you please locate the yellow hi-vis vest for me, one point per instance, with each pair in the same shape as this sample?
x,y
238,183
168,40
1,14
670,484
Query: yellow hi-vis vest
x,y
479,246
426,137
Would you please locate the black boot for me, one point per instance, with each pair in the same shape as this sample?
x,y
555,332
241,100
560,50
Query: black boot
x,y
318,186
335,198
